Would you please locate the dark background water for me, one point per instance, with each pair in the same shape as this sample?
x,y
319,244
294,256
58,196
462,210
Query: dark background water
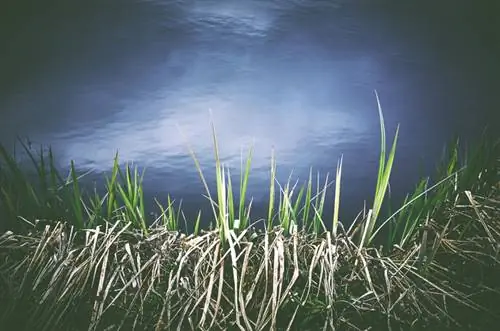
x,y
91,78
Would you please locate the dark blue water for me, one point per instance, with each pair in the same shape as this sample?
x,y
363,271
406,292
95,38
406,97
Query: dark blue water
x,y
91,78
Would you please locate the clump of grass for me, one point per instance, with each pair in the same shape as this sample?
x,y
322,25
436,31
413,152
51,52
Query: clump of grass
x,y
294,204
50,196
115,277
384,173
108,266
477,171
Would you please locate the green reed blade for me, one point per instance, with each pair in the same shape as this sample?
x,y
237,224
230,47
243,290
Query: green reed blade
x,y
271,192
336,206
244,175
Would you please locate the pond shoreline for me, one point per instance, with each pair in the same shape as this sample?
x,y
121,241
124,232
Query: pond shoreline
x,y
96,264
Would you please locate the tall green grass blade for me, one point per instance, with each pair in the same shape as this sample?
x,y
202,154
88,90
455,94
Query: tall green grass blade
x,y
197,224
243,189
221,217
383,176
336,206
172,219
271,192
230,201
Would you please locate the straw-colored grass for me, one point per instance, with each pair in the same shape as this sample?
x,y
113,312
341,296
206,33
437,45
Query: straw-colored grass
x,y
114,277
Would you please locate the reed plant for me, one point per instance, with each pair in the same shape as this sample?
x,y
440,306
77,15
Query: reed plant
x,y
48,195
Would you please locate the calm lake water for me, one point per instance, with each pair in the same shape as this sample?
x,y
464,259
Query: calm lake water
x,y
91,78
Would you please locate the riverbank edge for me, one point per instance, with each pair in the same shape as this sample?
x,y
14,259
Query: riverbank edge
x,y
431,263
95,279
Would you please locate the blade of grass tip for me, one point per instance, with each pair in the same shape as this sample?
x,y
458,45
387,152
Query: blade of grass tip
x,y
382,142
337,197
221,193
220,183
382,157
230,201
197,224
243,188
171,221
383,173
385,182
223,225
271,192
130,191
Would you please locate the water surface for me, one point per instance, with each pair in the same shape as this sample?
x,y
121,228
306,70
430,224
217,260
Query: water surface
x,y
145,77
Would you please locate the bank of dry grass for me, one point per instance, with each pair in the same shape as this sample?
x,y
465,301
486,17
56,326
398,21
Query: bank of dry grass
x,y
113,276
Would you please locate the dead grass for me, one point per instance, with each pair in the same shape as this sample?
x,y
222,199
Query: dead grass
x,y
114,277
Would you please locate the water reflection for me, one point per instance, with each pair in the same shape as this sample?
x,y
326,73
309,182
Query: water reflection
x,y
296,76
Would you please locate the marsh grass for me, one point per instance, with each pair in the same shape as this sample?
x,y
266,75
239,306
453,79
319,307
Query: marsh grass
x,y
116,269
113,277
52,196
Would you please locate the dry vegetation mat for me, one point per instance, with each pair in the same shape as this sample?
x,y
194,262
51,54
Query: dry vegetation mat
x,y
113,277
